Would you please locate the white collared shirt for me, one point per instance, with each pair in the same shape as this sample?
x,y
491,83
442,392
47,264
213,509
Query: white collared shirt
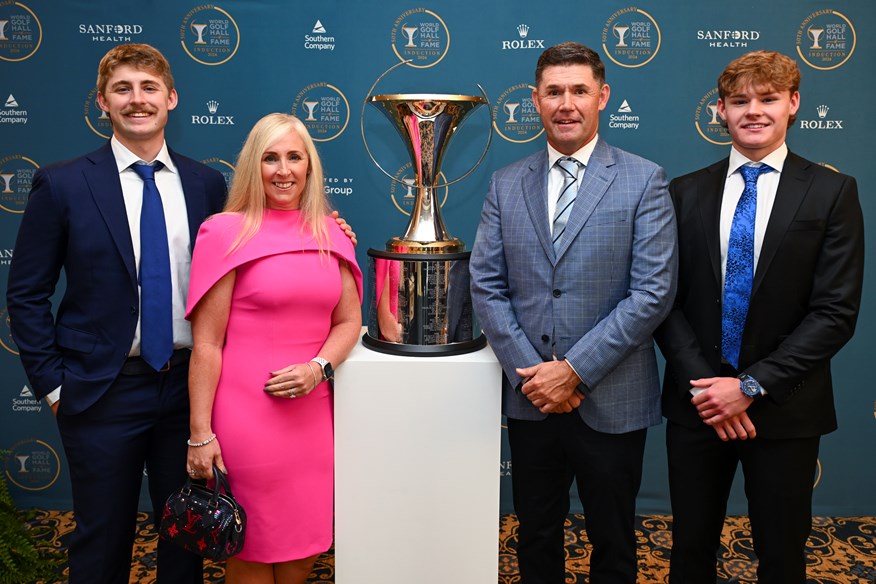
x,y
556,174
178,239
734,184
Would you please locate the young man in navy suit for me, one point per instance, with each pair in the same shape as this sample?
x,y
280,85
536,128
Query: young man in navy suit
x,y
573,268
771,258
115,412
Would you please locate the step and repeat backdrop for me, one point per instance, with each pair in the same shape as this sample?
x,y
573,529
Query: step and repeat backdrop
x,y
235,61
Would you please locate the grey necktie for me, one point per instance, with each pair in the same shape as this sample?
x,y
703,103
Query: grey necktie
x,y
568,192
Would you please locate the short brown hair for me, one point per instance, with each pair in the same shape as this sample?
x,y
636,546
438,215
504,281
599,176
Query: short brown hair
x,y
570,53
138,56
760,70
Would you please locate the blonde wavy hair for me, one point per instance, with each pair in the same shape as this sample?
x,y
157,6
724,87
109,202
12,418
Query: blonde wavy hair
x,y
247,194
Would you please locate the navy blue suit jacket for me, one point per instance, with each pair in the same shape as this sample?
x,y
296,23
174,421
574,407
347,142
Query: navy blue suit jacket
x,y
75,220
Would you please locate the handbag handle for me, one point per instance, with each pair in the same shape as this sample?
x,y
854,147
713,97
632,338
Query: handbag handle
x,y
221,483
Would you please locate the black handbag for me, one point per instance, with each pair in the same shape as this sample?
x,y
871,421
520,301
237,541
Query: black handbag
x,y
205,521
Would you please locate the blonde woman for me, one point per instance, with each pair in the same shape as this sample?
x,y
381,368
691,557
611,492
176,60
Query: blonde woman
x,y
274,301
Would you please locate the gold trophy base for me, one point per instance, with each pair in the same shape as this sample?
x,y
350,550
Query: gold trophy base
x,y
408,246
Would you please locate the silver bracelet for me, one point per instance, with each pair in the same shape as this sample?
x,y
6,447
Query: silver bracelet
x,y
202,443
309,366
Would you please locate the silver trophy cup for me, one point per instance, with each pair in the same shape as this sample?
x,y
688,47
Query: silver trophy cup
x,y
419,284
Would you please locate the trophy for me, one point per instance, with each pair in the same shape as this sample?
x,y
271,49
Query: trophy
x,y
419,284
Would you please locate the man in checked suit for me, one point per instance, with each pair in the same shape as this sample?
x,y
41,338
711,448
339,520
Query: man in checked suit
x,y
115,412
758,392
569,291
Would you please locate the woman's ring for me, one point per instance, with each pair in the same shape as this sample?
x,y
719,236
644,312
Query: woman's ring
x,y
291,394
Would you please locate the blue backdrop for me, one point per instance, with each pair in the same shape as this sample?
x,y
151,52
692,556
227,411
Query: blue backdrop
x,y
236,61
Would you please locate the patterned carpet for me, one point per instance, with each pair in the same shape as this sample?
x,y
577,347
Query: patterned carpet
x,y
841,550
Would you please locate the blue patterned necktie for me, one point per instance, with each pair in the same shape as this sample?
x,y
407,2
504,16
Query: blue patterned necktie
x,y
739,273
156,305
568,193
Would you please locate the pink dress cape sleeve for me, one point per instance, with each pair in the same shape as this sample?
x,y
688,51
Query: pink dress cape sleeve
x,y
211,259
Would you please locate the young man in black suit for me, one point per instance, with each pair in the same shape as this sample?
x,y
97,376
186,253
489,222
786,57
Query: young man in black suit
x,y
771,256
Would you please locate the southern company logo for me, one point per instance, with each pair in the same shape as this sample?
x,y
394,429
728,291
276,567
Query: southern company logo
x,y
523,42
624,119
26,402
213,119
11,114
318,40
821,123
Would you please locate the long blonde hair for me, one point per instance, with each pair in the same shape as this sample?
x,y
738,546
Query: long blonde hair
x,y
247,194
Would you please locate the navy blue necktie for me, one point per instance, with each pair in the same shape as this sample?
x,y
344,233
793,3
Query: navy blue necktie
x,y
156,304
568,194
739,273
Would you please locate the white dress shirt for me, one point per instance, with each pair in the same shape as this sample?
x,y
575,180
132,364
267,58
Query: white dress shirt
x,y
178,240
556,174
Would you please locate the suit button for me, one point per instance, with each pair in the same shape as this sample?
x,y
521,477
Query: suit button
x,y
545,338
557,293
133,310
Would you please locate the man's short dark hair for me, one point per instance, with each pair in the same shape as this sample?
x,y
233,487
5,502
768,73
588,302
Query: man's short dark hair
x,y
570,53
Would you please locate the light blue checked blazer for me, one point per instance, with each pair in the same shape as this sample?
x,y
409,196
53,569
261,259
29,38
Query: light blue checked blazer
x,y
598,299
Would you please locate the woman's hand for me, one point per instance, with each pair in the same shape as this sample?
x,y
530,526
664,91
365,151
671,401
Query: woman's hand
x,y
202,458
294,381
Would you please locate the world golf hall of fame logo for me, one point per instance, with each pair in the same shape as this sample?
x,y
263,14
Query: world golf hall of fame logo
x,y
631,37
209,35
708,122
324,109
402,190
16,176
20,31
223,166
826,40
32,465
98,120
514,115
6,339
419,35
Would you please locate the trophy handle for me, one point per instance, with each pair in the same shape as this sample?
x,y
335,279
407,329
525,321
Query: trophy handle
x,y
377,164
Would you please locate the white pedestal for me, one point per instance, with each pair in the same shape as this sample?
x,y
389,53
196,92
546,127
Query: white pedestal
x,y
417,453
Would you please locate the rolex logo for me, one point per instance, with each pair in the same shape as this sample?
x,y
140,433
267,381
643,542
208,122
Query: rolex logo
x,y
212,119
822,110
522,30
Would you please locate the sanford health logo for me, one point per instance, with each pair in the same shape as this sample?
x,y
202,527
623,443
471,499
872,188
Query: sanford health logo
x,y
821,123
213,119
111,33
723,39
523,42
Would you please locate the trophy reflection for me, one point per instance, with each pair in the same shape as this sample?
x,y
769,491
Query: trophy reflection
x,y
419,283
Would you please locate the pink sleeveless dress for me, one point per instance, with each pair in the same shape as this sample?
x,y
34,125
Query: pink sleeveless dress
x,y
279,452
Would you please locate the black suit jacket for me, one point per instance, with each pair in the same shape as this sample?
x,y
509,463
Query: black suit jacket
x,y
804,303
75,220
